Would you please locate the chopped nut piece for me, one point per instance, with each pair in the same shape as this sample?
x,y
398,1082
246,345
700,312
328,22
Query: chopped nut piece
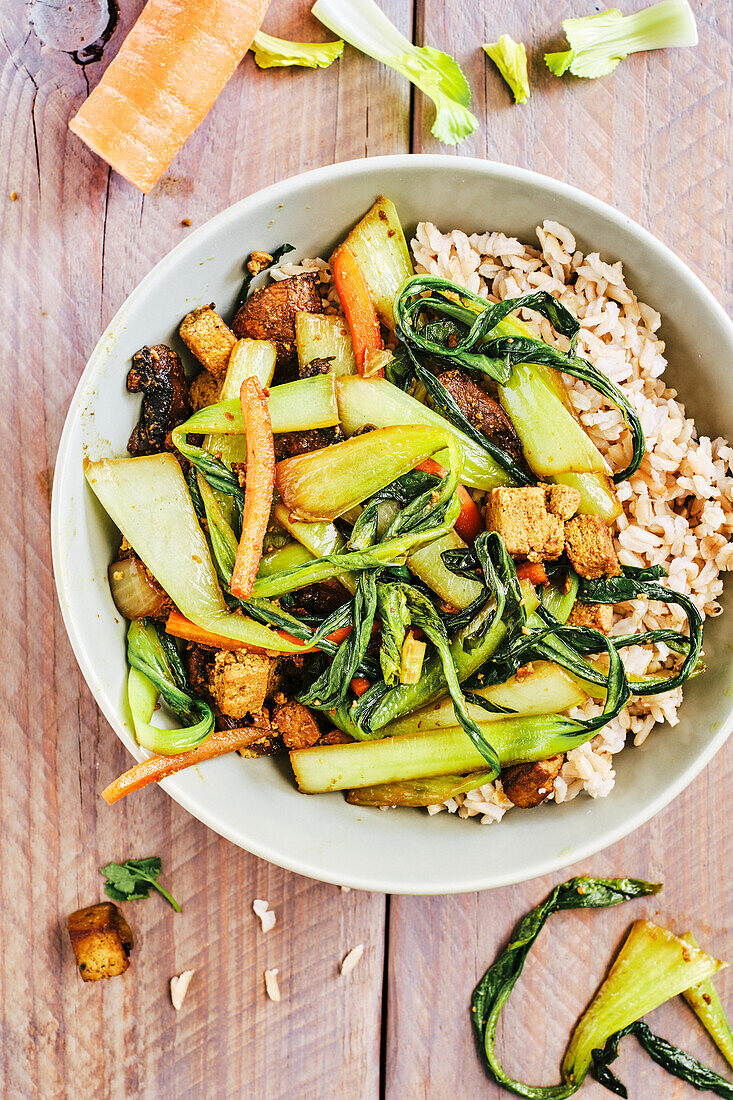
x,y
209,338
352,959
179,987
528,785
598,616
262,910
102,941
272,987
520,516
589,547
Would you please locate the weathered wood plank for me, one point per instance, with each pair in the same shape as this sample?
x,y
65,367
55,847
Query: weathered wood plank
x,y
75,243
654,139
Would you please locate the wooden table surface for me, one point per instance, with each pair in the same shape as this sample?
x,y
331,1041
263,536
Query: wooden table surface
x,y
655,139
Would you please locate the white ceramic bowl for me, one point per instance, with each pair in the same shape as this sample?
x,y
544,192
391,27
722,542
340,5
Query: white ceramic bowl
x,y
255,803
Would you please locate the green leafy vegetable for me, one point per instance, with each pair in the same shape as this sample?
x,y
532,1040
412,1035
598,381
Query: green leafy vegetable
x,y
365,26
705,1003
131,880
494,989
395,619
156,669
272,53
598,42
510,58
677,1062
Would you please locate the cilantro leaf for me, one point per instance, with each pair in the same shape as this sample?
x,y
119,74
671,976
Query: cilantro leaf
x,y
131,880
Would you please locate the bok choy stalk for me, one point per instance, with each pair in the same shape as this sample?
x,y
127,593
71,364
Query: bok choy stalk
x,y
320,336
378,402
599,41
148,500
704,1001
248,358
271,53
418,792
436,74
378,245
156,669
495,987
327,483
320,539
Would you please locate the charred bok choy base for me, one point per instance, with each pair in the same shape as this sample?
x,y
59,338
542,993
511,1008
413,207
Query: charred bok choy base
x,y
378,538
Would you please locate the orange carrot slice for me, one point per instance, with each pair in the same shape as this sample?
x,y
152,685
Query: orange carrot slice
x,y
165,78
358,307
259,485
469,523
181,627
532,571
156,768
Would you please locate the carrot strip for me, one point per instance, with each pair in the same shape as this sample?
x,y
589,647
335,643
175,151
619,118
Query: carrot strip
x,y
357,306
259,485
469,523
156,768
165,78
359,685
532,571
181,627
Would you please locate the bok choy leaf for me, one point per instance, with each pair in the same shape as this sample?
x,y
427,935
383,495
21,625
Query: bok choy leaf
x,y
271,53
155,669
677,1062
365,26
510,58
704,1001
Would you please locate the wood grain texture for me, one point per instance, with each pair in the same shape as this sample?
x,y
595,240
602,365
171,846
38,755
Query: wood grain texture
x,y
654,139
74,244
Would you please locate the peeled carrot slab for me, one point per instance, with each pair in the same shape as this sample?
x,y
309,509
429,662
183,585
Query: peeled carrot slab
x,y
165,78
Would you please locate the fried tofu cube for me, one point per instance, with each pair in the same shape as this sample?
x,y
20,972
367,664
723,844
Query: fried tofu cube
x,y
205,390
589,546
562,500
598,616
269,314
240,681
209,338
102,941
528,785
521,517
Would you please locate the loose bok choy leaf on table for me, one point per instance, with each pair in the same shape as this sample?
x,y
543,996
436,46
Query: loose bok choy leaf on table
x,y
704,1001
365,26
273,53
599,41
510,58
652,966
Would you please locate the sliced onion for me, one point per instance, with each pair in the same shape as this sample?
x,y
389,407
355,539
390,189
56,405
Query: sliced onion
x,y
135,596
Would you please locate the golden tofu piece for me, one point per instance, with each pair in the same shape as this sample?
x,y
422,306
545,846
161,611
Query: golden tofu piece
x,y
562,500
521,517
209,338
102,941
598,616
240,681
205,390
589,546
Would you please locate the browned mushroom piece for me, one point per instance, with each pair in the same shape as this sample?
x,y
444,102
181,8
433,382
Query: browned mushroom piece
x,y
528,785
157,372
486,415
269,314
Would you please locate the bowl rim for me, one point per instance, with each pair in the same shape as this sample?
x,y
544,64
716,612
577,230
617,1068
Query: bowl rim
x,y
260,848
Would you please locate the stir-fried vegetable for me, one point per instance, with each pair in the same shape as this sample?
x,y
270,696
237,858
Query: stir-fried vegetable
x,y
271,53
260,481
436,74
510,58
325,338
418,792
358,307
156,669
599,41
378,246
704,1001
